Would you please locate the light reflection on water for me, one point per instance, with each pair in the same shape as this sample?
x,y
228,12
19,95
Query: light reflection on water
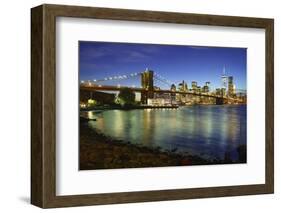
x,y
202,130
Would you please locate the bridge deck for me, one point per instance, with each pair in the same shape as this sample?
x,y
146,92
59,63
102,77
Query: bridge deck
x,y
137,89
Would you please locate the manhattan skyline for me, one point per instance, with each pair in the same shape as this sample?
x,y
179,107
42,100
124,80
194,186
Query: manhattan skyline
x,y
98,60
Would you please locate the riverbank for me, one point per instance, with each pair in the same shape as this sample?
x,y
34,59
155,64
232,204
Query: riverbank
x,y
98,151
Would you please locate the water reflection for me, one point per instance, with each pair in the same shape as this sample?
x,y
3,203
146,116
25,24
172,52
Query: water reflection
x,y
208,131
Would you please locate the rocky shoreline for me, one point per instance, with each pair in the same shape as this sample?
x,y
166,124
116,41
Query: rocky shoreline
x,y
98,151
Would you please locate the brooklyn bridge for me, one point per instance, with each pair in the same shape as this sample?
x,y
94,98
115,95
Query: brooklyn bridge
x,y
150,81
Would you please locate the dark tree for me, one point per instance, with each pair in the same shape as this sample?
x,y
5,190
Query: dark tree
x,y
126,96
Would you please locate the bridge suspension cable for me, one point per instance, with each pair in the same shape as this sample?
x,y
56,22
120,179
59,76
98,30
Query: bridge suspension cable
x,y
114,78
160,78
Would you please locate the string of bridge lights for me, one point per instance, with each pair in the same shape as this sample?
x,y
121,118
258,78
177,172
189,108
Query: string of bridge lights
x,y
157,77
113,78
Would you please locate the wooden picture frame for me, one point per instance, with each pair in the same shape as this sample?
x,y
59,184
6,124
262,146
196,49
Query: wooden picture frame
x,y
43,105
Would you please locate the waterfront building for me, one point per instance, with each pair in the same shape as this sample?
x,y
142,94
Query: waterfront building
x,y
156,88
160,99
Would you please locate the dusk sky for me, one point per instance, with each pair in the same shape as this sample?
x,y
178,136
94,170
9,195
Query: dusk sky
x,y
98,60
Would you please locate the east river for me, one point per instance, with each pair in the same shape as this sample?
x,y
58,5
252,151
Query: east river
x,y
209,131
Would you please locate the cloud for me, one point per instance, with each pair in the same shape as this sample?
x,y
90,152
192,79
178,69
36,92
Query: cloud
x,y
133,56
93,52
150,49
116,52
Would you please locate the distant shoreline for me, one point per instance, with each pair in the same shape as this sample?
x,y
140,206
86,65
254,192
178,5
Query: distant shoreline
x,y
148,107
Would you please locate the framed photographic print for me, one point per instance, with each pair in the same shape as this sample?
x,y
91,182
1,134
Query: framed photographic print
x,y
136,106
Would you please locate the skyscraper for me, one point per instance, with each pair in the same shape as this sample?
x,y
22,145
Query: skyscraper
x,y
231,87
194,86
183,86
224,79
173,87
206,87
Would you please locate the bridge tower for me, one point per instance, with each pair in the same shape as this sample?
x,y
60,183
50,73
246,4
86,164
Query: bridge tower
x,y
147,84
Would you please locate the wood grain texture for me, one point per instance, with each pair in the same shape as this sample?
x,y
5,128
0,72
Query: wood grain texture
x,y
269,106
43,105
36,106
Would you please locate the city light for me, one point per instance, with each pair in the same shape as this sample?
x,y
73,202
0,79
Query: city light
x,y
179,93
